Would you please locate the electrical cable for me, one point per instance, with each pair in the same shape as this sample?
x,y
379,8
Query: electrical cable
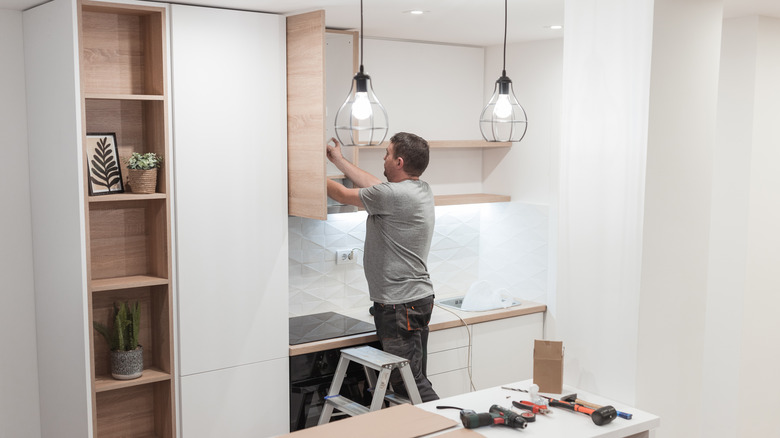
x,y
468,354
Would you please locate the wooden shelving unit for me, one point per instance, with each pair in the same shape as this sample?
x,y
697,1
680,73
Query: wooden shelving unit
x,y
124,91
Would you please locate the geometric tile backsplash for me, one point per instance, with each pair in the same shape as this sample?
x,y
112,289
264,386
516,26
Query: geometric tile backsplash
x,y
504,244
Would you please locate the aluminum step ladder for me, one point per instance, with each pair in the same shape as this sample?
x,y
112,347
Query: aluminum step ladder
x,y
372,360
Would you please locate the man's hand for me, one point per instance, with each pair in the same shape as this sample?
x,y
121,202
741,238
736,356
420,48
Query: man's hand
x,y
334,150
358,176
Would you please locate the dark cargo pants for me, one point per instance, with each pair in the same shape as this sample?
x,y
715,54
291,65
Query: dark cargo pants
x,y
403,331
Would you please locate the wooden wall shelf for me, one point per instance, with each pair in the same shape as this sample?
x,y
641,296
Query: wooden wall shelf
x,y
450,144
472,198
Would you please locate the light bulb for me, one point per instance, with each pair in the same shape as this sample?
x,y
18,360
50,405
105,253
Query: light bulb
x,y
503,108
361,109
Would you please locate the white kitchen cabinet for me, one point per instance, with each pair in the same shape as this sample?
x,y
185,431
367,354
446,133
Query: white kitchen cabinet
x,y
503,349
451,383
448,361
501,352
236,402
58,219
230,167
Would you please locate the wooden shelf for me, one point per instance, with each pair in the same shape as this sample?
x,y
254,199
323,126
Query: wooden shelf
x,y
134,281
114,96
473,198
450,144
458,199
151,375
126,197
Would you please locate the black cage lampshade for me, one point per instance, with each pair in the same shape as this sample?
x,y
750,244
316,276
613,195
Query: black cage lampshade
x,y
361,120
503,118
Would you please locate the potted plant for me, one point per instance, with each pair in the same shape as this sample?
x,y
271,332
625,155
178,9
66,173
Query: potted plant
x,y
127,357
142,172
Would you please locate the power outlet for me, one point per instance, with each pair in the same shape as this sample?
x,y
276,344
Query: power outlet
x,y
345,256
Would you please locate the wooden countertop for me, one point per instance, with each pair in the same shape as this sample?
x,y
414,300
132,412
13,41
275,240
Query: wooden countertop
x,y
442,318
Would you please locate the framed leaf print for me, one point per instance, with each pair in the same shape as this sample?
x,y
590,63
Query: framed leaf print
x,y
104,172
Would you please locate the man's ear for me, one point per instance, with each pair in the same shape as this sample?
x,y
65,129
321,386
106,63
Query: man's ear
x,y
400,162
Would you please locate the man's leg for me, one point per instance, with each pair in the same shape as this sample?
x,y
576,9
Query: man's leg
x,y
403,331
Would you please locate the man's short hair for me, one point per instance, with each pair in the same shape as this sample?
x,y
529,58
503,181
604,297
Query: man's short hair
x,y
414,150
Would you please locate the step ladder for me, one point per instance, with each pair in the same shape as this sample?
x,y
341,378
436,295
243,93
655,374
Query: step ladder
x,y
372,360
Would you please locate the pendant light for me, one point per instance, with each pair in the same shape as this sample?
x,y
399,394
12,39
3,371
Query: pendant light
x,y
361,120
503,118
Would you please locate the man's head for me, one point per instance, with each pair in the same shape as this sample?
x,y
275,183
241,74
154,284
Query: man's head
x,y
407,153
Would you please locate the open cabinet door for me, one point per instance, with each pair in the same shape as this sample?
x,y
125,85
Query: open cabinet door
x,y
306,161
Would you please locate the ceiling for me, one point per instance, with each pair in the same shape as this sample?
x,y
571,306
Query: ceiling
x,y
468,22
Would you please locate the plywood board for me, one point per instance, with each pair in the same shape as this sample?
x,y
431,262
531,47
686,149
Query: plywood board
x,y
402,421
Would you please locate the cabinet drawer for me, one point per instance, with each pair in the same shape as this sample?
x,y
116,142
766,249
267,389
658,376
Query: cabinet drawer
x,y
447,360
451,383
448,339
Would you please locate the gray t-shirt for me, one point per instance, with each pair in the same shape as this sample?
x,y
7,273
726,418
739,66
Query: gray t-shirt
x,y
399,230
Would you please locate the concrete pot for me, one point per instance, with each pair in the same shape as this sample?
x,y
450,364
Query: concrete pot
x,y
127,365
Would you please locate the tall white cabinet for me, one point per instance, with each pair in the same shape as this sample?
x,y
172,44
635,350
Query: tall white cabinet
x,y
57,201
229,125
99,67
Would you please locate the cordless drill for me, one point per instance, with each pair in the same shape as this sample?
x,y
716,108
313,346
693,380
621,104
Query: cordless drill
x,y
497,415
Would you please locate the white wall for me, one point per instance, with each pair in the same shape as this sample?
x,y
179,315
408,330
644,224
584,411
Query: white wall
x,y
681,138
528,171
742,333
435,91
678,289
429,89
606,74
19,412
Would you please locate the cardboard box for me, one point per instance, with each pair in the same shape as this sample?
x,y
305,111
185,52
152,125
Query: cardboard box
x,y
548,366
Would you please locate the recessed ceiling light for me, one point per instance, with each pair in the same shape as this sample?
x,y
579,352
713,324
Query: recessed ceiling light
x,y
416,12
555,27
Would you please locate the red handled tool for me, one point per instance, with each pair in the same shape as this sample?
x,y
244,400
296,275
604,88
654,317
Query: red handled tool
x,y
529,406
600,416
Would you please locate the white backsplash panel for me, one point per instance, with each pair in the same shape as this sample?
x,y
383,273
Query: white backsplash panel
x,y
504,244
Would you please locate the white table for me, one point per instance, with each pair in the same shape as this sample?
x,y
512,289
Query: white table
x,y
560,423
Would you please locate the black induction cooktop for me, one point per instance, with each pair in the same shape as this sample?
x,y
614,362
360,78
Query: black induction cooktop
x,y
327,325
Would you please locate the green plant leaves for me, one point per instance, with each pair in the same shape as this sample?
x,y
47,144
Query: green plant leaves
x,y
123,336
146,161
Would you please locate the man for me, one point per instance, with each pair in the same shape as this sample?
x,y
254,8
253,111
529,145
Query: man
x,y
399,229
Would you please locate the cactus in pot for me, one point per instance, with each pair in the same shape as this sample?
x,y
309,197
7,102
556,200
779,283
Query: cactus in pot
x,y
126,354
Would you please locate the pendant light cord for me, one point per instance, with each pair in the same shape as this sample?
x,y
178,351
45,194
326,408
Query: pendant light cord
x,y
361,36
505,26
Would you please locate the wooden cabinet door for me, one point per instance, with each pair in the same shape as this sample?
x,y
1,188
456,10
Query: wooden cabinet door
x,y
307,194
